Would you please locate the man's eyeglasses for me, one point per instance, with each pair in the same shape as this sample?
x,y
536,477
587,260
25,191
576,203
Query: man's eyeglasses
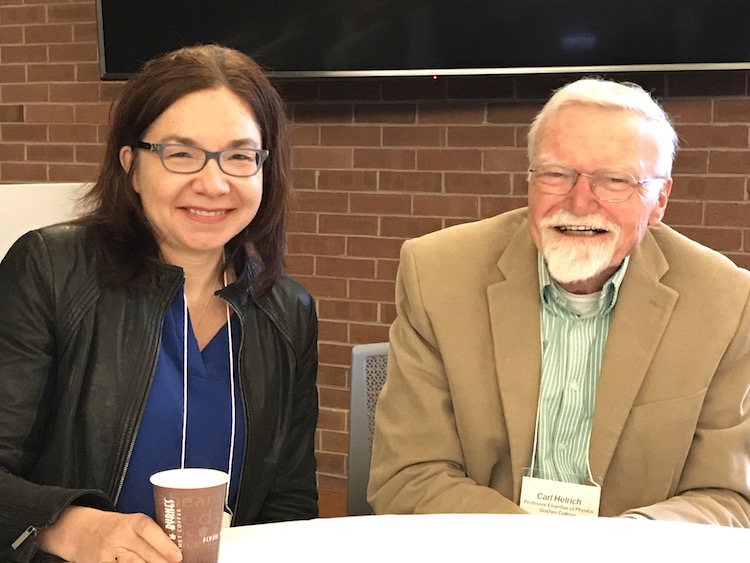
x,y
185,159
608,185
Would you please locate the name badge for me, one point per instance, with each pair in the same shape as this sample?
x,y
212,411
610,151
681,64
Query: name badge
x,y
544,496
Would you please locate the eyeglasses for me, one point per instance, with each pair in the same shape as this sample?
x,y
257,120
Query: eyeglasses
x,y
607,185
185,159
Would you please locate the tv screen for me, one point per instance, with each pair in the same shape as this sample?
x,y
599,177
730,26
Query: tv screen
x,y
317,38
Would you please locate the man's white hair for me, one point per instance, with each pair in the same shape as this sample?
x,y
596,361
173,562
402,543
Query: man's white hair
x,y
610,94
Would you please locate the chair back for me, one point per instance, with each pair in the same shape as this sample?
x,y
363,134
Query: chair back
x,y
369,366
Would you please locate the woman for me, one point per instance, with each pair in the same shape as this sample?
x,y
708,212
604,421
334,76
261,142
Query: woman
x,y
174,277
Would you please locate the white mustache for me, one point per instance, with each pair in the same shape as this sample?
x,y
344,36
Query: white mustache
x,y
570,221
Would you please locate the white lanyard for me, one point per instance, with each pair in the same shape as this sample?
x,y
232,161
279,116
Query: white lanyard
x,y
185,387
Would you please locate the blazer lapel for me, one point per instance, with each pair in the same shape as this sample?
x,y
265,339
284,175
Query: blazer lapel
x,y
644,306
514,319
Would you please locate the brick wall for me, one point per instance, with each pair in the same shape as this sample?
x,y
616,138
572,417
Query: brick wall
x,y
375,161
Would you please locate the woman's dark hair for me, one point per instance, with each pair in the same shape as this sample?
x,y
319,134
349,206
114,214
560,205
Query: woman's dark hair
x,y
130,251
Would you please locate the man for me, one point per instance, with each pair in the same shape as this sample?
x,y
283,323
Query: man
x,y
577,356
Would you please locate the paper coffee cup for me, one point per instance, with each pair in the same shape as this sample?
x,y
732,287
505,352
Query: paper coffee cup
x,y
189,507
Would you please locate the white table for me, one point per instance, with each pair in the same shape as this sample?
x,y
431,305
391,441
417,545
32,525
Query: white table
x,y
483,537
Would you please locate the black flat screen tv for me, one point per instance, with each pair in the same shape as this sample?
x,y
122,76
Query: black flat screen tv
x,y
329,38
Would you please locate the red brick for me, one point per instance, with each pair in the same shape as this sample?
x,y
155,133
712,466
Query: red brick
x,y
348,180
385,159
724,188
10,74
371,290
387,270
408,227
335,354
481,136
729,162
385,113
25,93
337,442
332,331
73,172
49,153
11,113
491,206
23,132
10,152
350,136
477,183
684,213
721,239
451,113
691,162
314,157
332,483
348,224
303,179
93,154
23,172
49,113
721,136
506,160
72,13
300,222
732,110
374,247
92,113
411,136
58,72
688,111
449,159
316,200
381,204
21,15
322,113
387,313
446,206
367,333
326,245
75,133
331,463
360,268
511,113
332,419
299,265
23,54
305,135
728,214
48,33
348,310
411,181
84,32
11,34
320,286
89,72
74,92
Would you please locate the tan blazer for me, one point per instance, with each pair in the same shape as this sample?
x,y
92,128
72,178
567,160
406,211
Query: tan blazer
x,y
455,421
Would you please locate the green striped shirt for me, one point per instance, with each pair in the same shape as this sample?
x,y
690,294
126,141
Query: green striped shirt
x,y
572,349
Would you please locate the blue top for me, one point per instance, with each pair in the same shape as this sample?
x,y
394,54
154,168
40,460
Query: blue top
x,y
209,416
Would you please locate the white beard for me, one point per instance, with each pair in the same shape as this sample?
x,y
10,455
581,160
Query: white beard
x,y
574,258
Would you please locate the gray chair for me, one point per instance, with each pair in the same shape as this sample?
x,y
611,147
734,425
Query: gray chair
x,y
369,364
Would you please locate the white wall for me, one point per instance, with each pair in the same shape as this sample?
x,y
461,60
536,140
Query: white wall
x,y
24,207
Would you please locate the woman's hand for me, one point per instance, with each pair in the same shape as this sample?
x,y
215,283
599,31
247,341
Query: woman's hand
x,y
88,535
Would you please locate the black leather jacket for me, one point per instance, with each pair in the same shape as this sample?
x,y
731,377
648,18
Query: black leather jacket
x,y
76,362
